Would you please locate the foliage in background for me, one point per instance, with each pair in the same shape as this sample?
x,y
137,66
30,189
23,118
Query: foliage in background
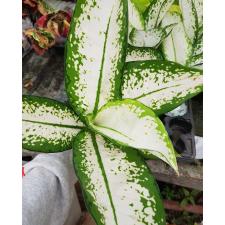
x,y
51,21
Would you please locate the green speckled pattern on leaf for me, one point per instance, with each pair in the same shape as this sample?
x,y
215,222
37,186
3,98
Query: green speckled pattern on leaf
x,y
160,85
155,12
140,54
48,125
118,187
150,38
95,54
196,58
177,47
189,18
133,124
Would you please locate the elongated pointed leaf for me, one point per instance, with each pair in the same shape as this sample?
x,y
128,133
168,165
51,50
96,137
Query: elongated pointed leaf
x,y
190,18
140,54
133,124
160,85
150,38
176,46
48,125
156,11
136,19
118,186
199,9
196,58
95,53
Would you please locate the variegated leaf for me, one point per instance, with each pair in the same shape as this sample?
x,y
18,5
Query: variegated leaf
x,y
177,46
198,45
199,9
133,124
190,18
156,11
95,53
48,125
196,60
117,185
160,85
136,18
140,54
141,5
149,38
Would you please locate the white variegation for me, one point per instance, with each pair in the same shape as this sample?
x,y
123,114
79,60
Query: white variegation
x,y
135,17
48,125
113,183
199,9
34,134
190,18
135,125
150,38
140,54
198,46
196,59
95,53
156,12
159,84
176,46
38,109
141,38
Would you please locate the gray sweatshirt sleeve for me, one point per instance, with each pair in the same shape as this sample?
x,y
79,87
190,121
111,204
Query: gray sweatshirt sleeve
x,y
49,197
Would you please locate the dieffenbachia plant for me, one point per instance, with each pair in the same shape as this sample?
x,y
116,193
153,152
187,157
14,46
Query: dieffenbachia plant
x,y
145,29
111,121
184,43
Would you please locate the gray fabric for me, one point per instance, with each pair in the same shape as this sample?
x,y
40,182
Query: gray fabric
x,y
49,196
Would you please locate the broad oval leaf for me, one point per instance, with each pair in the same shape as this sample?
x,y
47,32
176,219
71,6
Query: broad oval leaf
x,y
140,54
133,124
160,85
176,46
155,12
95,53
118,187
48,125
136,19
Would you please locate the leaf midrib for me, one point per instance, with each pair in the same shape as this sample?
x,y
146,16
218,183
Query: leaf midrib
x,y
116,131
95,145
151,92
101,69
54,124
160,12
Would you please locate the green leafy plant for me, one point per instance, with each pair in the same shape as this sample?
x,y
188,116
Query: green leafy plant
x,y
188,196
184,43
145,29
111,121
